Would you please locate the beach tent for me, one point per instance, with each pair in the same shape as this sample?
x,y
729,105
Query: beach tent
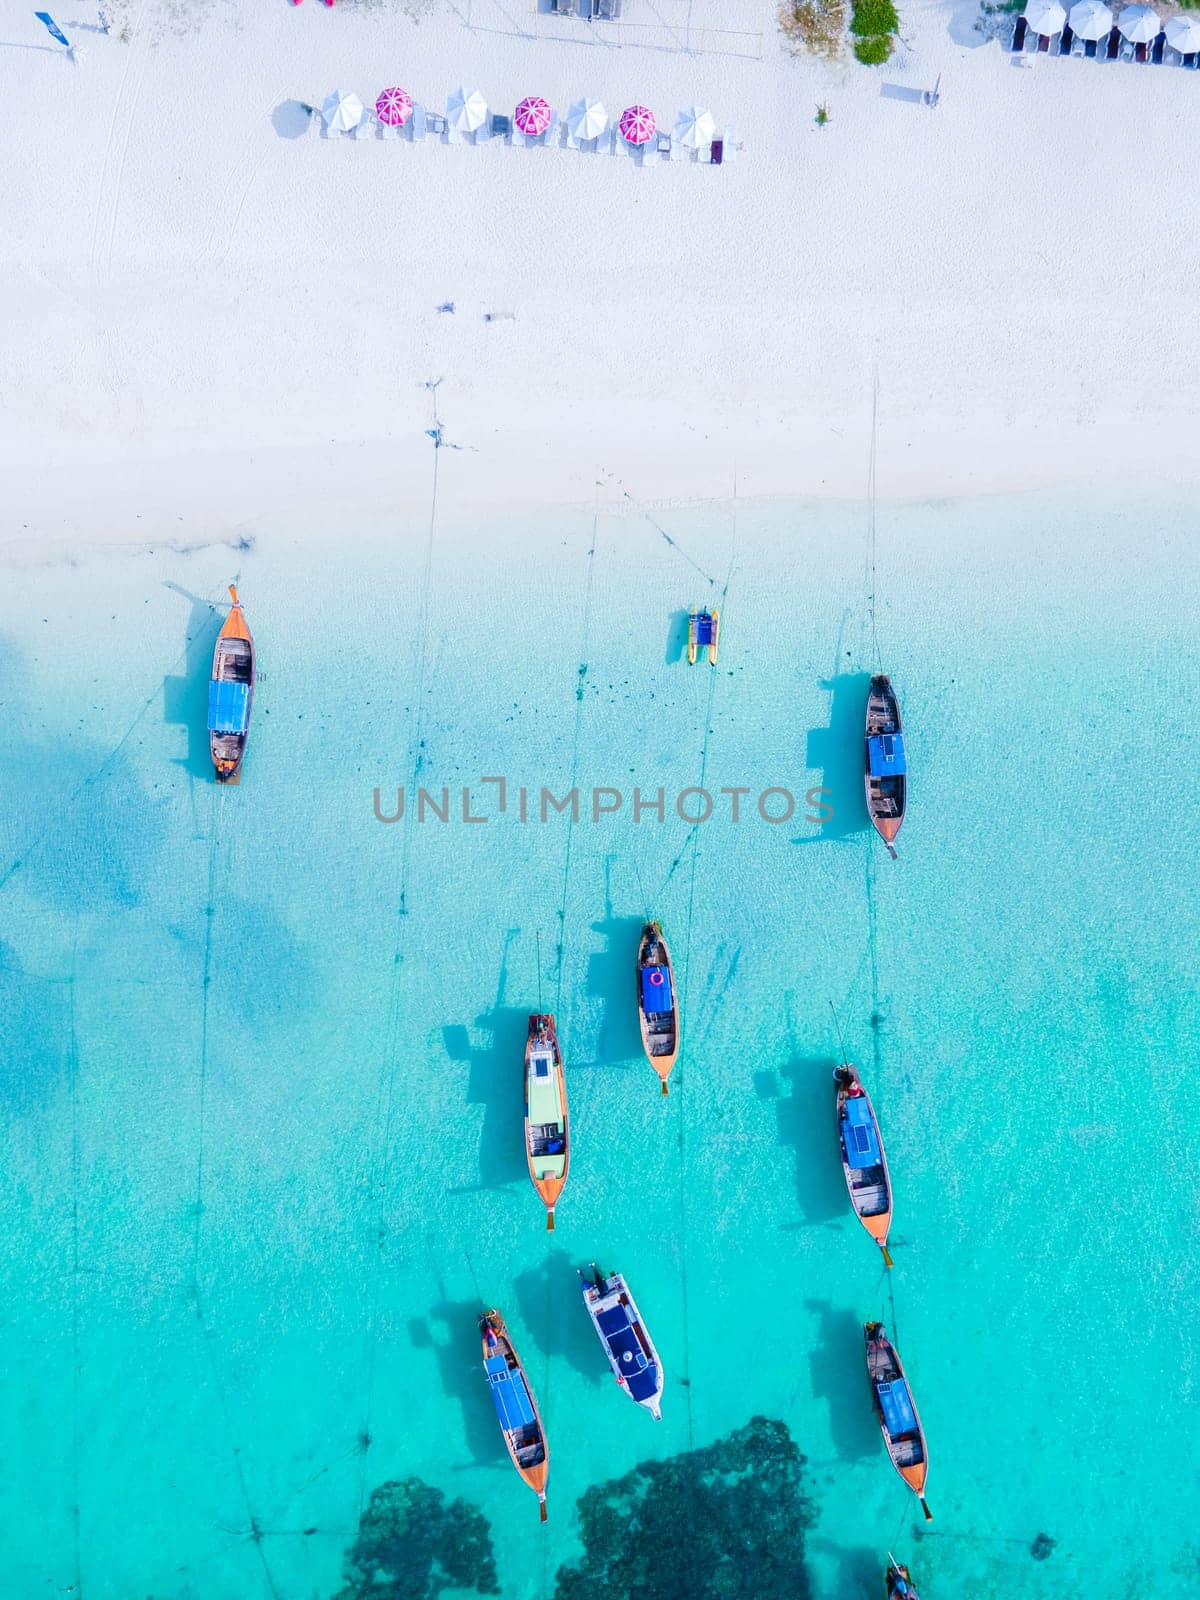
x,y
1183,34
587,119
393,108
532,116
694,128
466,110
1139,24
1045,17
1090,19
342,111
637,125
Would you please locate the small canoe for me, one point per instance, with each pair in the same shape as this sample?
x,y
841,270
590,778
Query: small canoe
x,y
658,1007
864,1160
897,1412
886,766
231,694
520,1419
899,1581
547,1131
704,633
627,1344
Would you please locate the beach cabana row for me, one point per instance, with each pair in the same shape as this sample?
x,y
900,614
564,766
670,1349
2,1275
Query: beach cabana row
x,y
1137,33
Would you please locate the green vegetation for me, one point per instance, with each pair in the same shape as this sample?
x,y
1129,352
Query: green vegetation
x,y
822,116
873,24
815,26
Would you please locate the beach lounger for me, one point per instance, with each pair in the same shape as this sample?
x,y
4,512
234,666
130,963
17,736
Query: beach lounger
x,y
1141,52
729,143
1114,44
564,8
1156,54
417,124
1043,43
717,153
1089,49
1019,35
1065,43
664,146
1078,46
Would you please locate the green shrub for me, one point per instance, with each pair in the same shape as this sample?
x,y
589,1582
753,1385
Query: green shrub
x,y
874,17
874,50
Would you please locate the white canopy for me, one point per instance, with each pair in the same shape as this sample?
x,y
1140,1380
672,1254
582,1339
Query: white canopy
x,y
587,119
694,127
1139,24
342,111
1091,19
1183,34
1045,16
466,110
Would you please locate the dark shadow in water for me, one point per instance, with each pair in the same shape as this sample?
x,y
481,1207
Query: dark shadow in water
x,y
839,1375
807,1125
837,751
35,1035
496,1081
677,637
185,698
412,1545
611,978
460,1363
551,1305
728,1522
859,1571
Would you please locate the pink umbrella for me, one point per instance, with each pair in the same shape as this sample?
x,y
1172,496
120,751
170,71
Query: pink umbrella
x,y
532,116
637,124
393,108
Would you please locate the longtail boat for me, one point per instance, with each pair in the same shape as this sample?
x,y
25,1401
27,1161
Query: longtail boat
x,y
520,1419
704,633
658,1008
864,1160
897,1412
627,1344
547,1131
231,694
886,766
899,1581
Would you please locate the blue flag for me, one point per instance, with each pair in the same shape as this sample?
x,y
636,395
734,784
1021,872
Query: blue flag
x,y
55,31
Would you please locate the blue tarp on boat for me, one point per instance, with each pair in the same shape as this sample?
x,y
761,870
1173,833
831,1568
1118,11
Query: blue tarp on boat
x,y
703,624
885,755
858,1132
896,1404
513,1405
656,989
228,707
639,1373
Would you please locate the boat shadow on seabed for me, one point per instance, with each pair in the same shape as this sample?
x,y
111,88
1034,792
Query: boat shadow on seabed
x,y
836,751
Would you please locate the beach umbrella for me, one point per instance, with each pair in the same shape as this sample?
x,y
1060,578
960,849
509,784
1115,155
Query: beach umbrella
x,y
342,111
637,125
694,127
1045,16
1138,24
1183,34
466,110
587,119
1090,19
532,116
393,108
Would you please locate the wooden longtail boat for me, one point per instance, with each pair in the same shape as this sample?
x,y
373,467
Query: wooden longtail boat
x,y
886,765
864,1160
627,1343
520,1419
899,1581
704,633
897,1412
547,1130
658,1007
231,694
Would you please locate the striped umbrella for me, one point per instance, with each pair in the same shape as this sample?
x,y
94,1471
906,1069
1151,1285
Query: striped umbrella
x,y
1138,24
532,116
637,125
393,108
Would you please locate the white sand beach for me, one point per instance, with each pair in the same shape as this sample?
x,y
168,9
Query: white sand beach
x,y
217,319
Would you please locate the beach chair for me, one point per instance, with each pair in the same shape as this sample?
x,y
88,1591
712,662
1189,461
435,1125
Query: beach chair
x,y
1156,54
502,128
1114,45
365,127
417,124
664,146
1078,46
648,154
1089,49
564,8
729,145
716,154
1043,44
1065,42
1019,32
1141,52
550,137
605,144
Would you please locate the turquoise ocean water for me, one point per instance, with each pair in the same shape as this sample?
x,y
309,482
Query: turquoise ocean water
x,y
260,1055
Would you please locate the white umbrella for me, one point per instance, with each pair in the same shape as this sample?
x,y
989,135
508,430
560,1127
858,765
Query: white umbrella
x,y
1139,24
342,111
466,110
587,119
694,127
1045,16
1091,19
1183,34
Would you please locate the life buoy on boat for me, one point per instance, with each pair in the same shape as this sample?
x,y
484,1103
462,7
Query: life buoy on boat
x,y
656,978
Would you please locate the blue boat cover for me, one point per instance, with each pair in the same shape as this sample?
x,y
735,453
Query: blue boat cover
x,y
885,755
228,706
704,627
656,989
896,1404
640,1375
858,1133
513,1405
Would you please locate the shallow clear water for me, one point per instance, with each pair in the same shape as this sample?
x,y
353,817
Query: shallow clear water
x,y
260,1055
